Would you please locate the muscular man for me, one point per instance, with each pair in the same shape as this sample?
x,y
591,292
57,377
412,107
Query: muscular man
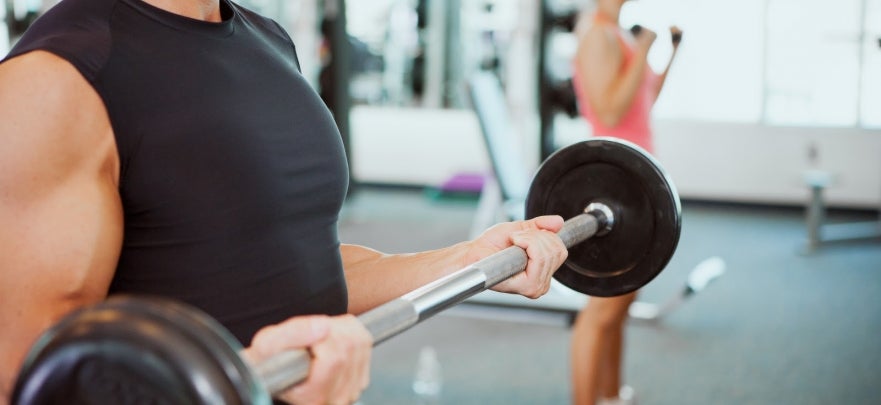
x,y
172,147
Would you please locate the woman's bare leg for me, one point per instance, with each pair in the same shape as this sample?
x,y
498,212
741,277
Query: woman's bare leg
x,y
611,372
596,348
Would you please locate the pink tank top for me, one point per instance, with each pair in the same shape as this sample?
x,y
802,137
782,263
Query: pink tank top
x,y
635,125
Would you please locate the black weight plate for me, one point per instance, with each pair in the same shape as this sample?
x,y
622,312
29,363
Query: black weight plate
x,y
129,350
644,201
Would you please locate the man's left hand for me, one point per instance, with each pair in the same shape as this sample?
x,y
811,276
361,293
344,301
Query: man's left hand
x,y
538,237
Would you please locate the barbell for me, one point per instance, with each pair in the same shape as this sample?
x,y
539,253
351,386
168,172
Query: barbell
x,y
137,349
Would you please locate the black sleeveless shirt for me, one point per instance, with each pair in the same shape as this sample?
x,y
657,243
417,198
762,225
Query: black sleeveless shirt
x,y
232,169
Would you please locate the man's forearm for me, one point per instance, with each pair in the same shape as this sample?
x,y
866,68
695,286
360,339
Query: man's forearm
x,y
374,278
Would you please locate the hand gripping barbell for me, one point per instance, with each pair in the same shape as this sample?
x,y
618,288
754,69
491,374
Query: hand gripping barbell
x,y
152,350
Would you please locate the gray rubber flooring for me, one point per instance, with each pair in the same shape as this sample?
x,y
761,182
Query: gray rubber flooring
x,y
779,327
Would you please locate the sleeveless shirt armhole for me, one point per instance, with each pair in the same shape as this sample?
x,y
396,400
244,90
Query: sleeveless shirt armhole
x,y
89,73
69,57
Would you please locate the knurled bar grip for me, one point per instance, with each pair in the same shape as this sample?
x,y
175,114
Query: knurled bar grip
x,y
288,368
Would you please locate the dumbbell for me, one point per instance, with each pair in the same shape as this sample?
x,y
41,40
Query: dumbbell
x,y
676,37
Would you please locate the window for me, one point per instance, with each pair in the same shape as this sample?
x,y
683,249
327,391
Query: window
x,y
812,62
717,75
779,62
870,105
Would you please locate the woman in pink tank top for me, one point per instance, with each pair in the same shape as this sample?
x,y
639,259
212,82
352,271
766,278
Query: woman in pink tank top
x,y
616,89
614,85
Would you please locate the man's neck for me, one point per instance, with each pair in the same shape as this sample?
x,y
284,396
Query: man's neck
x,y
205,10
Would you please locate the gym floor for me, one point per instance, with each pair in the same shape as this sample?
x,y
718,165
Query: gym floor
x,y
779,327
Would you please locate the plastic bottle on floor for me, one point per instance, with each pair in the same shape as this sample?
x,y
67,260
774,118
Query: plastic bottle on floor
x,y
428,380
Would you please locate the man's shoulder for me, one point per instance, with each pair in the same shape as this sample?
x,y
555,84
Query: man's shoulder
x,y
75,30
50,110
49,81
68,19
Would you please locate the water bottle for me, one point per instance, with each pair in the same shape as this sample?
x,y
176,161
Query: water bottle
x,y
428,381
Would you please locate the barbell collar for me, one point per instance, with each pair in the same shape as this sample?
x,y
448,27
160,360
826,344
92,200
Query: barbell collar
x,y
285,369
604,214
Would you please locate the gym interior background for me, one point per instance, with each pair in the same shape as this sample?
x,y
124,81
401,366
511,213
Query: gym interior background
x,y
770,127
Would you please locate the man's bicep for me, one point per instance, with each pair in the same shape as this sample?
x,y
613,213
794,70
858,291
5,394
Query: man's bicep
x,y
58,171
59,209
57,252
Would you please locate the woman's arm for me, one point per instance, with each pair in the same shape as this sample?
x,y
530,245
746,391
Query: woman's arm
x,y
610,89
676,34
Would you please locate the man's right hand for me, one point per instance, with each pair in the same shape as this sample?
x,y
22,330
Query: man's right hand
x,y
340,348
